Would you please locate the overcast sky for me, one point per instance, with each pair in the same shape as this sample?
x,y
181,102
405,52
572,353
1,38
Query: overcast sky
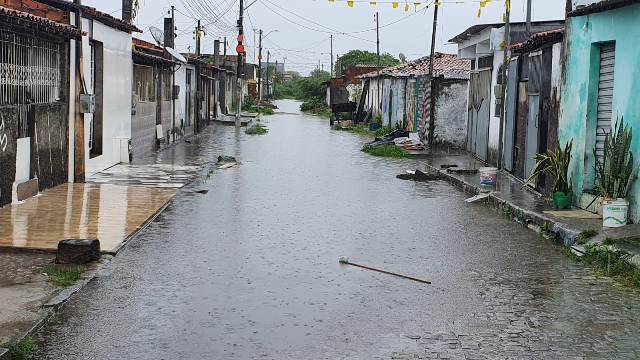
x,y
304,26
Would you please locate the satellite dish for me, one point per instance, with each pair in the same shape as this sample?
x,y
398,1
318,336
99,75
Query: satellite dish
x,y
176,55
158,35
403,58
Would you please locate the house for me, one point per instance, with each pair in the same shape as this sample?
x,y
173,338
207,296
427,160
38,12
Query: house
x,y
153,125
401,97
34,101
347,88
483,45
533,102
600,86
105,80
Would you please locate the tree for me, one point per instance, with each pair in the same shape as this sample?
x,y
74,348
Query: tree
x,y
320,75
359,57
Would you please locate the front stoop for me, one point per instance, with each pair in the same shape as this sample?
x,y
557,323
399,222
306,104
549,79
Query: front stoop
x,y
4,354
565,233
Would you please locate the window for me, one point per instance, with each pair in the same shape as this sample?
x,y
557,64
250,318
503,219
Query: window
x,y
143,88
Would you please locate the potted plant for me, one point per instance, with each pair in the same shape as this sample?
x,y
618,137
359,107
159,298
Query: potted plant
x,y
615,172
555,163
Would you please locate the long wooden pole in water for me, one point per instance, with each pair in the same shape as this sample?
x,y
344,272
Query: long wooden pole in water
x,y
347,262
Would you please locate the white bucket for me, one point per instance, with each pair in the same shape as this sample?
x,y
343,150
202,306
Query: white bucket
x,y
614,213
488,176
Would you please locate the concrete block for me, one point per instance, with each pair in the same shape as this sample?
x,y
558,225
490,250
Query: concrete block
x,y
27,189
77,251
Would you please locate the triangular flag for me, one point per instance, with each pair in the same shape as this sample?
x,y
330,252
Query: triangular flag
x,y
373,3
395,5
350,3
406,7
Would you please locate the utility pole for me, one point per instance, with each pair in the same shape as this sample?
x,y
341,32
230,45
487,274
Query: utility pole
x,y
78,136
260,70
173,78
432,112
528,17
240,66
378,35
505,65
197,77
331,55
267,77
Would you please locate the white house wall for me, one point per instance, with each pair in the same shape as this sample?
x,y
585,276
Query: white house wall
x,y
181,81
494,120
118,72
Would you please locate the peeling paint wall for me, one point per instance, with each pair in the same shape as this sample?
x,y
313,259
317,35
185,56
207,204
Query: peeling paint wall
x,y
577,118
451,115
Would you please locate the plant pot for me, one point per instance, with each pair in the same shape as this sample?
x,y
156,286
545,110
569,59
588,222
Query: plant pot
x,y
614,212
562,200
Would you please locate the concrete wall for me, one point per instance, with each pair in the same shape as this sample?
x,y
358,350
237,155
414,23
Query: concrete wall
x,y
451,117
494,119
578,110
118,72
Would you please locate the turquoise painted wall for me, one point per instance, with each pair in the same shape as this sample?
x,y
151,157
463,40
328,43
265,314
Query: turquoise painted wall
x,y
578,102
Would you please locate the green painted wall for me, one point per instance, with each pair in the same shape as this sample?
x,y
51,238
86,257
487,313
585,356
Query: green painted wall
x,y
579,93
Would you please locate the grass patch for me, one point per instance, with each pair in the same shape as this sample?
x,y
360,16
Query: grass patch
x,y
585,235
256,129
359,130
612,263
391,151
23,349
63,276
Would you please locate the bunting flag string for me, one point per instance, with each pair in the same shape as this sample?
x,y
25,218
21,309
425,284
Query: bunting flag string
x,y
407,5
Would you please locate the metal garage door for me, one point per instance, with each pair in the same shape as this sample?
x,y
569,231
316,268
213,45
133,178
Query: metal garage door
x,y
605,96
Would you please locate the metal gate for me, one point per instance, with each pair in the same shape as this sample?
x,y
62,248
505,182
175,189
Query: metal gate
x,y
605,96
533,120
479,113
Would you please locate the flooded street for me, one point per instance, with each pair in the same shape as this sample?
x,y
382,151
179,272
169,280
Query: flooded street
x,y
250,270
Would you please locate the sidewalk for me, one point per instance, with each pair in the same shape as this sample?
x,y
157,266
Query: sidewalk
x,y
112,206
522,204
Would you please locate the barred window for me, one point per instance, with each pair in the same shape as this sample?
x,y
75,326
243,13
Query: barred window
x,y
29,69
143,84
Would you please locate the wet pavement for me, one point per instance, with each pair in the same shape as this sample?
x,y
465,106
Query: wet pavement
x,y
250,270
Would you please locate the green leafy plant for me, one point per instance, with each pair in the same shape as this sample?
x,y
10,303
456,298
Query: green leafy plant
x,y
386,151
256,129
615,171
63,276
23,349
556,164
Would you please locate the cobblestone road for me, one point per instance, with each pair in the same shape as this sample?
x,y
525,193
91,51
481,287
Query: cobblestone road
x,y
250,270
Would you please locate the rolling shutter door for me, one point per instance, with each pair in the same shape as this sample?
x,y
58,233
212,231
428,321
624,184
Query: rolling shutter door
x,y
605,96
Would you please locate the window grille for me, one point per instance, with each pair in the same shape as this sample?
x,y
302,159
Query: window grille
x,y
29,69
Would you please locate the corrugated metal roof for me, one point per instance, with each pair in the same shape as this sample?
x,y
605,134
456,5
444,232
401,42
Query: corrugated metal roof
x,y
476,29
448,66
45,24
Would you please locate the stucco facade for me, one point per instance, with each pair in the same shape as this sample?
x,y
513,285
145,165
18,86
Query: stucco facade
x,y
585,35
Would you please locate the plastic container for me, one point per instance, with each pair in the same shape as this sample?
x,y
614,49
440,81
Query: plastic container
x,y
488,176
614,213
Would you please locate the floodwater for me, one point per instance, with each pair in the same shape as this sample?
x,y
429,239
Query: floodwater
x,y
250,270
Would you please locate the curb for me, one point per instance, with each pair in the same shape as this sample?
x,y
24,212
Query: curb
x,y
530,219
53,306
